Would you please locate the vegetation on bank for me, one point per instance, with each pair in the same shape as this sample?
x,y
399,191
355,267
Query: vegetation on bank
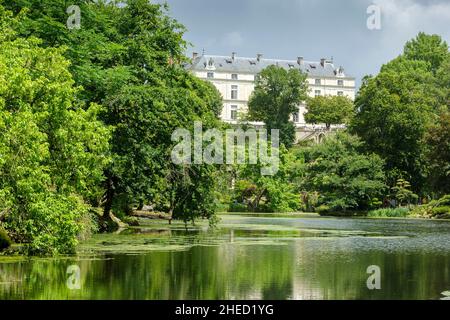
x,y
435,209
5,241
87,116
395,154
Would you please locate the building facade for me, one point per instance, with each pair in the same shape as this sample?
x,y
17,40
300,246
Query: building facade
x,y
234,77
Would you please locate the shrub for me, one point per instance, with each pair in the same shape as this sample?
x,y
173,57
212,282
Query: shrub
x,y
346,178
424,211
441,210
436,208
51,225
391,213
323,209
238,207
5,241
444,201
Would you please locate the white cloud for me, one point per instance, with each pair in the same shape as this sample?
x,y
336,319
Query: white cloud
x,y
408,17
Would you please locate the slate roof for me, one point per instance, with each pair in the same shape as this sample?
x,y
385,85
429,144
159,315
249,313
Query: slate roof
x,y
253,66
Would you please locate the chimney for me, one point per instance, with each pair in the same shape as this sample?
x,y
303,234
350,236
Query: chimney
x,y
300,60
233,55
259,56
194,55
322,62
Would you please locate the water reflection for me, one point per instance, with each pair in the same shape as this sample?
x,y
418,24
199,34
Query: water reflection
x,y
250,258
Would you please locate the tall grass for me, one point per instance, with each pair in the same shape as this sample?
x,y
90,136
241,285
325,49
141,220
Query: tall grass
x,y
389,213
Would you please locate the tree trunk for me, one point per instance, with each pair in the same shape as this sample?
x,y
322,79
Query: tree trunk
x,y
170,215
106,222
141,205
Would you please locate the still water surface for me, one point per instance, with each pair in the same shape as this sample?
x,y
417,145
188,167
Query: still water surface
x,y
247,257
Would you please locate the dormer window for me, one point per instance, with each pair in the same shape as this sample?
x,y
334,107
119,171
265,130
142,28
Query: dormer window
x,y
211,63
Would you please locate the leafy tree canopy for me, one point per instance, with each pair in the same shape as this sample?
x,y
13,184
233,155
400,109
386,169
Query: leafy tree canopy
x,y
329,110
344,177
52,150
278,93
395,108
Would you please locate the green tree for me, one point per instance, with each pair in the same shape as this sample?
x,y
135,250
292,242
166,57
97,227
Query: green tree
x,y
395,108
329,110
278,93
277,193
429,48
402,192
129,59
145,118
343,175
53,151
438,155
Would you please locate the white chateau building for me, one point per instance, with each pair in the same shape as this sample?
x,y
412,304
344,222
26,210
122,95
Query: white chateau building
x,y
234,77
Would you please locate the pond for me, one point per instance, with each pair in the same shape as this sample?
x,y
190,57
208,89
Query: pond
x,y
247,257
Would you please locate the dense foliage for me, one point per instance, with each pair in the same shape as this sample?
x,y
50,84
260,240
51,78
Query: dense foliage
x,y
87,117
396,108
57,159
258,193
345,177
53,151
129,59
329,110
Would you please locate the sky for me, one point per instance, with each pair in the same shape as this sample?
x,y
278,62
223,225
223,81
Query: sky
x,y
314,29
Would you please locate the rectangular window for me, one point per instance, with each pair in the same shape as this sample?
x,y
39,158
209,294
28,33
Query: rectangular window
x,y
317,93
234,76
210,75
318,82
340,93
341,83
296,117
234,113
234,92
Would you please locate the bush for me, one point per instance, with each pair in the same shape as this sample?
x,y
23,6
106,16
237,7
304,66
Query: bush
x,y
346,178
424,211
444,201
391,213
436,208
5,241
323,209
238,207
441,210
51,225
